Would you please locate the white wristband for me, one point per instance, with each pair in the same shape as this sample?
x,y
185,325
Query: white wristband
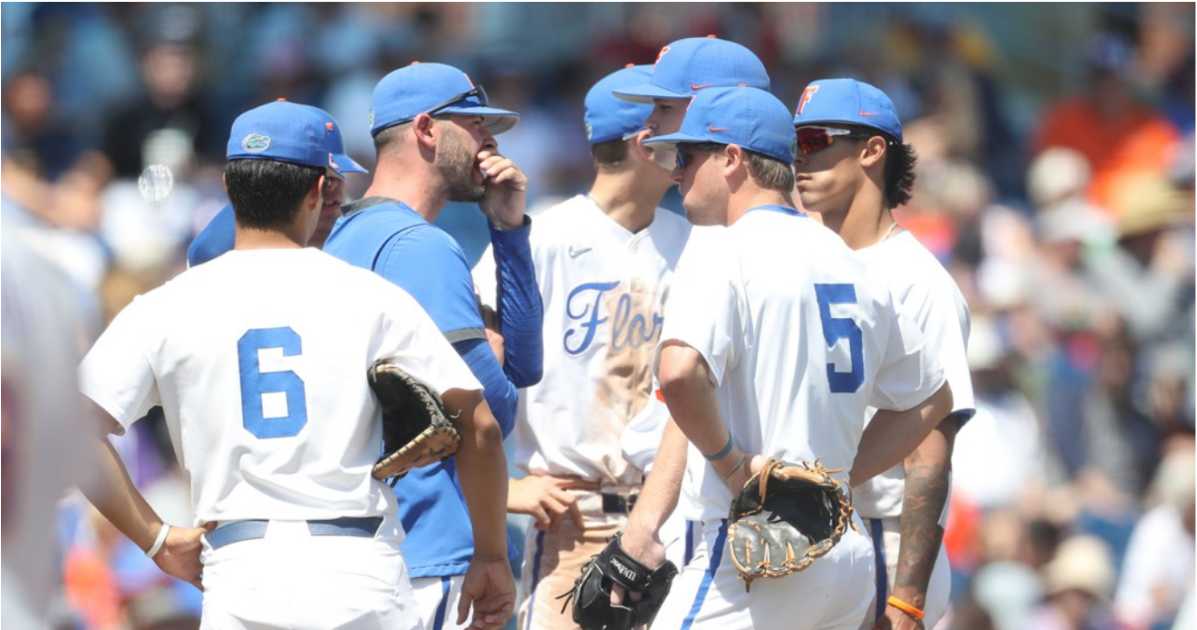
x,y
153,551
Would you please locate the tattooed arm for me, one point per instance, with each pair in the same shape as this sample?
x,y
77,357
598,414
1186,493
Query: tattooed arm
x,y
927,470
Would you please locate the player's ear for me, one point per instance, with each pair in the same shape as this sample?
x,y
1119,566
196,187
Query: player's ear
x,y
872,152
425,129
734,159
636,145
315,196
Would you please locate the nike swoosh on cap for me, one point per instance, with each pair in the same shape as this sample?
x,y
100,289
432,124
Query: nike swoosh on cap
x,y
715,129
699,87
864,113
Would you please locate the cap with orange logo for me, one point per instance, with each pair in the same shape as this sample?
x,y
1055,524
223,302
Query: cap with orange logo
x,y
688,66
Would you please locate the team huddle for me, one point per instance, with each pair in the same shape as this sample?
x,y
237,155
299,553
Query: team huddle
x,y
742,418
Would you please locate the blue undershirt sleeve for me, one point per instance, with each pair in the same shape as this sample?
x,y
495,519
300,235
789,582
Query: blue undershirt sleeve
x,y
500,393
519,306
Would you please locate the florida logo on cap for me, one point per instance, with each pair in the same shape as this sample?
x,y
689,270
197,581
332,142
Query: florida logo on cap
x,y
664,49
255,143
807,95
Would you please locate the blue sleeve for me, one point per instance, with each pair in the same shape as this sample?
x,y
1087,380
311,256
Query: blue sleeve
x,y
518,302
500,393
214,240
427,263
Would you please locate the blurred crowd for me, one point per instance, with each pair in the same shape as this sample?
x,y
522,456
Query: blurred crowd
x,y
1055,182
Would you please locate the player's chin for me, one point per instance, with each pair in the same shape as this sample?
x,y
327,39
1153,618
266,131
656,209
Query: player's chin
x,y
809,198
697,214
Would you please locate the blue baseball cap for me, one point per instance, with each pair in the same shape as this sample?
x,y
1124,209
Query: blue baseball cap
x,y
847,102
608,118
284,132
336,144
432,88
749,117
687,66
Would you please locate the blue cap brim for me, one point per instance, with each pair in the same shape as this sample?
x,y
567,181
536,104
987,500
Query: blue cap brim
x,y
348,164
497,120
646,92
674,139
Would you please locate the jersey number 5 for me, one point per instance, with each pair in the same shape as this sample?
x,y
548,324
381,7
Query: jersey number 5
x,y
836,328
256,384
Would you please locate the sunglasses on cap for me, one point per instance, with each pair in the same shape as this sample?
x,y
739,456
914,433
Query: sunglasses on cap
x,y
812,138
478,92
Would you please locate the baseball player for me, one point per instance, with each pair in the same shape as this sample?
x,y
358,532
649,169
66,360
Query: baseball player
x,y
46,434
433,128
775,340
850,139
217,237
259,361
682,69
604,261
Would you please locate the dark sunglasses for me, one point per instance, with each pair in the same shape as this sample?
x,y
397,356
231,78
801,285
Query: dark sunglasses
x,y
686,151
478,92
812,139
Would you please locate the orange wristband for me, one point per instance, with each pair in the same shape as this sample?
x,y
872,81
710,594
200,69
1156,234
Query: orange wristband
x,y
904,607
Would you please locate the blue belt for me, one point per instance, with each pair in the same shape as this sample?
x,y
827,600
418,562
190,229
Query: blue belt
x,y
237,531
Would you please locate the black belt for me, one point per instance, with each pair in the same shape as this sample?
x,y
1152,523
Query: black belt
x,y
237,531
618,503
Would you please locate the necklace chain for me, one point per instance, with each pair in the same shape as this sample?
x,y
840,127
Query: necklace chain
x,y
889,232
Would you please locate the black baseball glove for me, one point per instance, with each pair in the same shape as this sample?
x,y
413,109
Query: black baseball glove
x,y
415,429
592,591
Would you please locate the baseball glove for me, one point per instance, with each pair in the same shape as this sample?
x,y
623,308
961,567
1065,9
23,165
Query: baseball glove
x,y
415,430
784,518
592,590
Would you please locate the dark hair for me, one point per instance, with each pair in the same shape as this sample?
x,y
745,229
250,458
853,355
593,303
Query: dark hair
x,y
899,165
265,193
610,154
899,172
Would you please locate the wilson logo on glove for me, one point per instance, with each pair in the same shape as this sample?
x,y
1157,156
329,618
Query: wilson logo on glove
x,y
591,594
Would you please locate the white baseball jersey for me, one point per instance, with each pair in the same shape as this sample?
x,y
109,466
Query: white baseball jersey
x,y
603,289
930,297
259,360
799,338
46,438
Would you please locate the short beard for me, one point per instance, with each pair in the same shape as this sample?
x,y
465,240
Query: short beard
x,y
456,166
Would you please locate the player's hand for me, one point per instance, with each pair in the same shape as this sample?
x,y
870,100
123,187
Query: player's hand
x,y
646,548
180,553
506,189
894,619
489,589
546,499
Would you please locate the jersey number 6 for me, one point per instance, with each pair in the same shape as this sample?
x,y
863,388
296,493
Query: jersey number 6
x,y
255,384
836,328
